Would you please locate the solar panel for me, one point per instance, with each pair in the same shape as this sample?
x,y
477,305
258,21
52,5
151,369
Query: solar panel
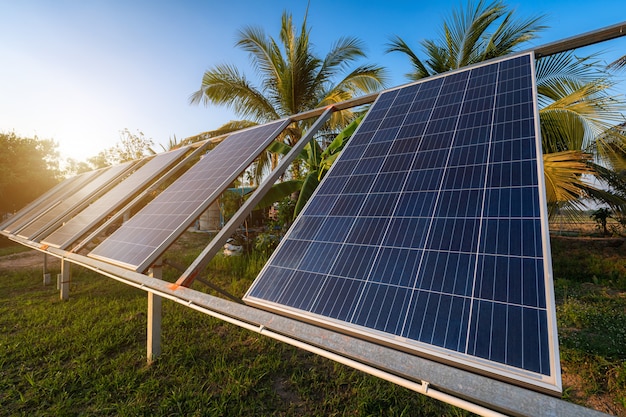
x,y
142,239
79,196
98,210
37,202
429,233
48,200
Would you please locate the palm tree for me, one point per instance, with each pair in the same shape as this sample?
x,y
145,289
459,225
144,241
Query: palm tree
x,y
293,79
580,139
469,37
577,112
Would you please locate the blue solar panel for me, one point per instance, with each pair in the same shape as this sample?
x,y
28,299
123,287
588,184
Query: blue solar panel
x,y
80,196
47,201
142,239
429,233
99,209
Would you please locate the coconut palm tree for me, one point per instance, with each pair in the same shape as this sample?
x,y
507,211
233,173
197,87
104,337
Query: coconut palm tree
x,y
577,112
482,31
292,77
581,143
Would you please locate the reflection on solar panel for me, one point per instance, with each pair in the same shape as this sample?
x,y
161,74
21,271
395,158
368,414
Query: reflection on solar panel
x,y
429,232
98,210
79,196
141,240
48,200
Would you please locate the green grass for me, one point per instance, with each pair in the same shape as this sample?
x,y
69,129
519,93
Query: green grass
x,y
10,250
86,356
590,287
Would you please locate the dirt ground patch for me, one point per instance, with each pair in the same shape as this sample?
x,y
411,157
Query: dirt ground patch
x,y
28,259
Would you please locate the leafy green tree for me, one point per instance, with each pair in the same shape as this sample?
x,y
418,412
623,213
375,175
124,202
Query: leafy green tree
x,y
130,147
28,168
74,167
293,79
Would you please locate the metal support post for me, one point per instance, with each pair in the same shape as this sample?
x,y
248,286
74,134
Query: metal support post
x,y
64,279
46,274
154,318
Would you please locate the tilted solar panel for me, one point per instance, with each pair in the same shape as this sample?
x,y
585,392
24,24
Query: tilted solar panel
x,y
142,239
79,196
429,233
47,201
99,209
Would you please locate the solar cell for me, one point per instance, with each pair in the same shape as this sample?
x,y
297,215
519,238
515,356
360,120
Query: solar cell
x,y
48,200
142,239
99,209
79,196
429,233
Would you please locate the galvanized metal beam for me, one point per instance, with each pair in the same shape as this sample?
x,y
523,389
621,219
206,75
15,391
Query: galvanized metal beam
x,y
579,41
218,241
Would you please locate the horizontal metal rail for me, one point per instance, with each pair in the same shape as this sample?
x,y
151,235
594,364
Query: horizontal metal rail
x,y
582,40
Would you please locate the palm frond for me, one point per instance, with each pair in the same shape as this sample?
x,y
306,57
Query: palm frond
x,y
593,108
559,74
278,192
397,44
564,178
266,55
467,37
510,34
468,29
618,63
223,83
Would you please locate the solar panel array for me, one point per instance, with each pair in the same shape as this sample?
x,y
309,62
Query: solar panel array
x,y
98,210
429,234
142,239
78,196
46,201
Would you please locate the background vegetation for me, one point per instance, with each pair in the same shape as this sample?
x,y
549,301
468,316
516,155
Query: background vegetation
x,y
28,167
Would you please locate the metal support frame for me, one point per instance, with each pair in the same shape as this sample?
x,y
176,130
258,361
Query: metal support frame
x,y
582,40
202,260
191,217
64,279
123,212
46,274
153,345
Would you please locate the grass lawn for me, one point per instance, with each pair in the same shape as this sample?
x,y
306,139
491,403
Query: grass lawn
x,y
86,356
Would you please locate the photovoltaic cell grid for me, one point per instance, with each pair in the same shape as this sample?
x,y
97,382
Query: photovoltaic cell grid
x,y
41,204
142,239
98,210
427,233
79,196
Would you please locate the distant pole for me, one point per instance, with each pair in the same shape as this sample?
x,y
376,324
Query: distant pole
x,y
154,317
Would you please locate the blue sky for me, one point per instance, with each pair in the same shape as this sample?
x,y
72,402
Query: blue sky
x,y
79,72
